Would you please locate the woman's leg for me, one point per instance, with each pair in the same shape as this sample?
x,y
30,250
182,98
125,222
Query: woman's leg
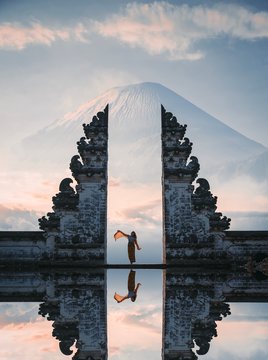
x,y
131,252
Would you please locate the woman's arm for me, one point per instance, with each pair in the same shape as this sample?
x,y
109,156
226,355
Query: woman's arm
x,y
137,245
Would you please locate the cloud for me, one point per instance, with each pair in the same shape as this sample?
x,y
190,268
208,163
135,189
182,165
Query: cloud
x,y
143,214
146,318
163,28
135,328
16,36
239,341
248,220
18,313
25,343
29,189
18,219
157,27
112,181
135,205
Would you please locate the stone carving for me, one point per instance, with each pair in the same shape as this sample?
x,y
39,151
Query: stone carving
x,y
76,166
193,167
49,309
93,151
49,223
176,149
217,222
192,305
99,122
204,330
77,228
257,265
66,199
67,333
82,145
77,308
171,129
191,225
202,197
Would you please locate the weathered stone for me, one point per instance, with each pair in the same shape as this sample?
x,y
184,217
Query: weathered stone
x,y
190,221
195,301
75,232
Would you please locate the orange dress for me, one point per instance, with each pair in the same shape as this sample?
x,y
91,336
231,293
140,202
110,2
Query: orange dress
x,y
131,245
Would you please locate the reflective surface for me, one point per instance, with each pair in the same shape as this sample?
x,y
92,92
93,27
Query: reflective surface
x,y
178,314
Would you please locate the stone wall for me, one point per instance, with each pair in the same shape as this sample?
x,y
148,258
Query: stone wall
x,y
22,246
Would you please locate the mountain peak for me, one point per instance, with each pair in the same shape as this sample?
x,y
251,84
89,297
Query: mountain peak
x,y
135,122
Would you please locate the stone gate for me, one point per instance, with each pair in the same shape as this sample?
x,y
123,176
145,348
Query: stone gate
x,y
74,233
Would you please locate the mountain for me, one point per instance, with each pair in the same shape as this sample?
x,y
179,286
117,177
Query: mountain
x,y
134,136
235,166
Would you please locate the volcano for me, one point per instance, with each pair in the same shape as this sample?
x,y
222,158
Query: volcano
x,y
235,166
134,129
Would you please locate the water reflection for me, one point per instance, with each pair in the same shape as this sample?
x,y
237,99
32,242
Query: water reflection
x,y
77,307
75,302
132,289
191,309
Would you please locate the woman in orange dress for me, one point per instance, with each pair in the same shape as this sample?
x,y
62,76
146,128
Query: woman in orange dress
x,y
132,242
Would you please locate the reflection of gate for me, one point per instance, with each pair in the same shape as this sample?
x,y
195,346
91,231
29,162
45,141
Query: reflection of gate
x,y
75,232
195,301
75,301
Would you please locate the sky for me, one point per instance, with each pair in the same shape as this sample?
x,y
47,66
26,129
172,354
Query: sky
x,y
56,55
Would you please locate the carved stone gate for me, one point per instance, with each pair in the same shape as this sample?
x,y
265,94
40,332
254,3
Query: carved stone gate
x,y
75,231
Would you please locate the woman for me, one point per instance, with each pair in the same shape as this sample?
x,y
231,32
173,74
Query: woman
x,y
132,242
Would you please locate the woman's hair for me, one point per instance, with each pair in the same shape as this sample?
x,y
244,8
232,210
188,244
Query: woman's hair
x,y
133,298
133,234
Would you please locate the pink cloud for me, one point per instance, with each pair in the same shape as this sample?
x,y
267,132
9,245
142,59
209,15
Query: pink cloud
x,y
113,182
16,36
157,28
133,329
242,340
26,341
163,28
135,204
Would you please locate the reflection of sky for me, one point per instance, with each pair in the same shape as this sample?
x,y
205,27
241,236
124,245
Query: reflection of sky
x,y
134,329
242,335
26,335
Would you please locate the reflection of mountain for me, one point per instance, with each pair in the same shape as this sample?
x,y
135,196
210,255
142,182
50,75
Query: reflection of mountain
x,y
134,127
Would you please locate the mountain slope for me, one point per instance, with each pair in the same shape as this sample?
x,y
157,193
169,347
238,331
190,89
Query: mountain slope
x,y
134,129
235,166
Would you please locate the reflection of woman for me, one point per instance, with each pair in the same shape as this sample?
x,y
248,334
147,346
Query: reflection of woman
x,y
132,289
132,242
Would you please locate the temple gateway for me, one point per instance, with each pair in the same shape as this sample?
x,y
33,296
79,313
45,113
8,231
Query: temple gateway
x,y
63,266
194,232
